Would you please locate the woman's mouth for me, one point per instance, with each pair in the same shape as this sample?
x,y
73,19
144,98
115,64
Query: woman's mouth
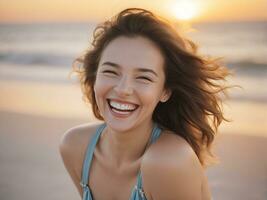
x,y
122,108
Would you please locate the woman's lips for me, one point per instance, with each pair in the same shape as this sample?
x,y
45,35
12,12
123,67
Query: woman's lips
x,y
122,105
121,108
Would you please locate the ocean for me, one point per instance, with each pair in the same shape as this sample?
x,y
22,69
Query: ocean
x,y
45,52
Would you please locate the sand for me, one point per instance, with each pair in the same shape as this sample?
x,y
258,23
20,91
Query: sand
x,y
31,167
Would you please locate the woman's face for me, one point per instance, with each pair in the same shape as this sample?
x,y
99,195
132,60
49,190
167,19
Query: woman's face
x,y
129,82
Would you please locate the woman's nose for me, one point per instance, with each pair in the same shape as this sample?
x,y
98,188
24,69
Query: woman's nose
x,y
124,87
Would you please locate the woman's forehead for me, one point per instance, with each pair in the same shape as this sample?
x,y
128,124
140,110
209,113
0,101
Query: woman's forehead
x,y
134,52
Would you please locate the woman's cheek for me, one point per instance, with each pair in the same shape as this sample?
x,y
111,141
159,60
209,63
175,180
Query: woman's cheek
x,y
104,83
149,93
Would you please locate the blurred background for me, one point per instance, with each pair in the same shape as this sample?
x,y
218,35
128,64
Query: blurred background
x,y
39,101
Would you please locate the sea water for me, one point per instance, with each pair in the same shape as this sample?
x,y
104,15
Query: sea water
x,y
45,52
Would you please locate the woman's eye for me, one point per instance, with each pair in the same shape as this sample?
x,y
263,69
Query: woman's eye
x,y
110,72
144,78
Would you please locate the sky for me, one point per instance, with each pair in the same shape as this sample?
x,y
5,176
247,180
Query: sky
x,y
32,11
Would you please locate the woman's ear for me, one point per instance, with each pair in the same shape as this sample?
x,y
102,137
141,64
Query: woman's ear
x,y
165,96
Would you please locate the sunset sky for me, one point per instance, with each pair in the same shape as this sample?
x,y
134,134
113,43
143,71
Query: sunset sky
x,y
27,11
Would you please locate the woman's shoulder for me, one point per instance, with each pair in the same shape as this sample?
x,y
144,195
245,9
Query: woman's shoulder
x,y
78,137
72,147
171,162
170,146
75,140
78,134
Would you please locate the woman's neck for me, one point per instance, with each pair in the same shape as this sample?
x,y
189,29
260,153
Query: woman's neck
x,y
125,148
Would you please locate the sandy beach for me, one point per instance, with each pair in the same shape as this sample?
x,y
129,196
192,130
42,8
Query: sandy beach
x,y
33,116
31,167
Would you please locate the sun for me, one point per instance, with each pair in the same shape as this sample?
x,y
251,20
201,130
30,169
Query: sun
x,y
184,10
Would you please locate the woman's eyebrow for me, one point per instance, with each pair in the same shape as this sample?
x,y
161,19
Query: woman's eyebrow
x,y
138,69
112,64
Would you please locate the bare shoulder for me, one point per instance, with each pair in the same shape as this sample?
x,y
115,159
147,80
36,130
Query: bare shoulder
x,y
171,169
72,147
170,148
77,137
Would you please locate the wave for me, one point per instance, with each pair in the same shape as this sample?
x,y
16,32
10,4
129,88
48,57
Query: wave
x,y
249,98
248,65
37,58
53,59
248,68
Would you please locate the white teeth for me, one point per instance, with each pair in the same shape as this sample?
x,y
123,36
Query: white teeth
x,y
122,106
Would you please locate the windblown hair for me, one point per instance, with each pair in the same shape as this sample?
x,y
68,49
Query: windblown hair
x,y
194,110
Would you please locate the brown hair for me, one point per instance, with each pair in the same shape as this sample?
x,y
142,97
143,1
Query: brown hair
x,y
194,109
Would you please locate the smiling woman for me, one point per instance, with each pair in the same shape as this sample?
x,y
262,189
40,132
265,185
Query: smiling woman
x,y
136,80
155,97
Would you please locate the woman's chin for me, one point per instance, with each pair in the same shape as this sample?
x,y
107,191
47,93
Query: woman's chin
x,y
120,125
121,121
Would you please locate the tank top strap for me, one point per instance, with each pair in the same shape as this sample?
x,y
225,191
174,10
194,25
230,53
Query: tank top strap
x,y
155,135
89,155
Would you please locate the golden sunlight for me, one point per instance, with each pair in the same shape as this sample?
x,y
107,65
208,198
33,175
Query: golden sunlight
x,y
184,10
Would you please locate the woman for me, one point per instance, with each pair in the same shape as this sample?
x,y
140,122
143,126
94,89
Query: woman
x,y
160,104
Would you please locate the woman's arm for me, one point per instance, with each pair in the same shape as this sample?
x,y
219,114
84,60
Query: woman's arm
x,y
73,147
69,151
